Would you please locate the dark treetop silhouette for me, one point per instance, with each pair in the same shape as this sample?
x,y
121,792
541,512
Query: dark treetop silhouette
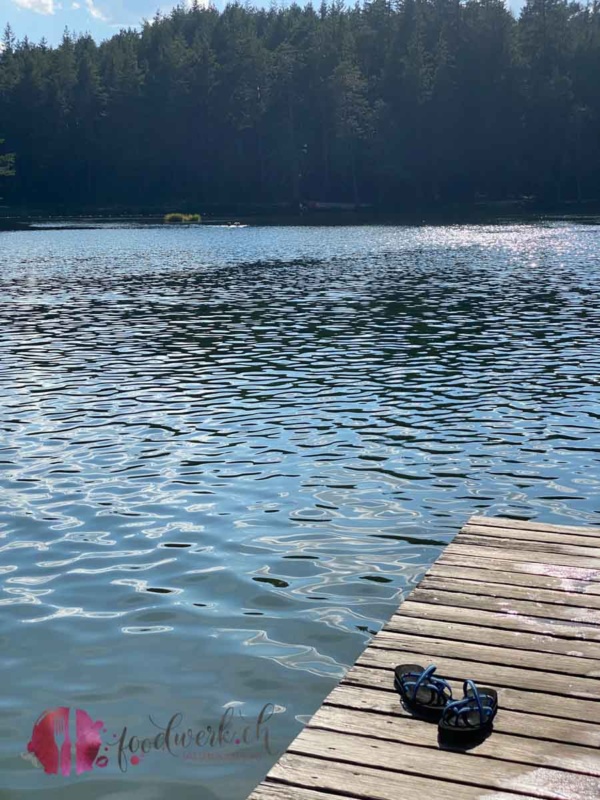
x,y
392,103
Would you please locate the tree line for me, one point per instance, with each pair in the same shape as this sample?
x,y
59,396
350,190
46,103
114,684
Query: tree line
x,y
391,103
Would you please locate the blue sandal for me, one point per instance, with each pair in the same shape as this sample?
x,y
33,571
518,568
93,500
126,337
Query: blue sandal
x,y
473,714
421,692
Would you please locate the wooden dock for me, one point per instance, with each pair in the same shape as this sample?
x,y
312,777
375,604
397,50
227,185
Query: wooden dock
x,y
509,604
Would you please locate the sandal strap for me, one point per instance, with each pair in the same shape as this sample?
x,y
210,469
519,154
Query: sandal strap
x,y
422,678
463,706
426,678
469,684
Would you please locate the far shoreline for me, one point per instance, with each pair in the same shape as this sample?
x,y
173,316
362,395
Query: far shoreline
x,y
502,212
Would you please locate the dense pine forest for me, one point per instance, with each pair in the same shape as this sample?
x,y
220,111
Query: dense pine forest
x,y
411,102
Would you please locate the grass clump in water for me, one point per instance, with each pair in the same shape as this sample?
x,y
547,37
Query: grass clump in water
x,y
177,217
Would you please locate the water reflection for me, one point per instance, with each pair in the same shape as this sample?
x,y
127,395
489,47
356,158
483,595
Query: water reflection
x,y
224,457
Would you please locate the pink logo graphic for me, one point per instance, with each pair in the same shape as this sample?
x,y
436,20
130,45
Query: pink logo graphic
x,y
66,741
59,748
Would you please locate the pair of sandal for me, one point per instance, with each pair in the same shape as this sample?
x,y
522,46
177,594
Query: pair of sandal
x,y
431,697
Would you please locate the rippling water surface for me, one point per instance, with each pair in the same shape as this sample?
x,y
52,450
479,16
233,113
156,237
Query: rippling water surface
x,y
226,454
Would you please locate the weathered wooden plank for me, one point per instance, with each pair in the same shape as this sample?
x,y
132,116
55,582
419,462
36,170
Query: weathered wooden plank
x,y
546,537
513,723
580,573
489,654
494,636
512,545
532,582
533,525
541,782
376,784
583,616
500,590
523,700
405,730
494,619
490,674
282,791
529,556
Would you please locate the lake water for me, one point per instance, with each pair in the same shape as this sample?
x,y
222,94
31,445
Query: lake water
x,y
226,454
